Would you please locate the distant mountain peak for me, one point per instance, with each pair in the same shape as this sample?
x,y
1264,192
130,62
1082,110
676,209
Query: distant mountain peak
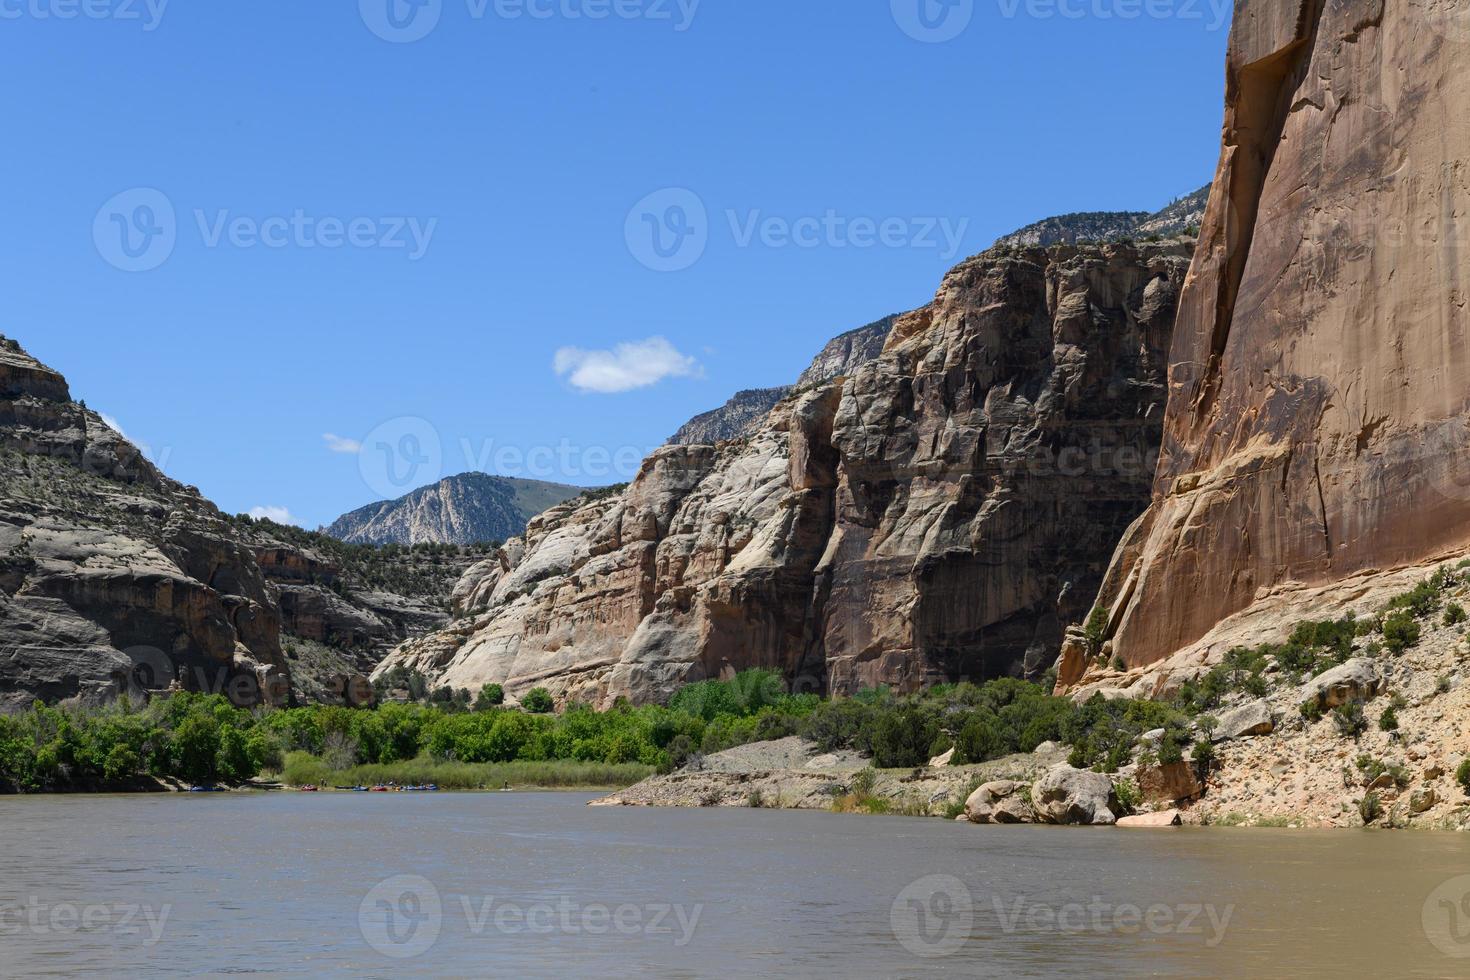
x,y
469,508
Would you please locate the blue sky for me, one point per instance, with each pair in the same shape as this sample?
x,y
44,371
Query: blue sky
x,y
262,233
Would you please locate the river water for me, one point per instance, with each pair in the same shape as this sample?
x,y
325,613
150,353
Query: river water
x,y
541,885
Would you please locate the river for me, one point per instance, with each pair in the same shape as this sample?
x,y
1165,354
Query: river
x,y
540,885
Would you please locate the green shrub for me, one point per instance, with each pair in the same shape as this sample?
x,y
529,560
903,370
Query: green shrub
x,y
1462,776
1400,632
1455,614
1095,631
1389,720
538,701
1370,808
491,696
902,738
1350,720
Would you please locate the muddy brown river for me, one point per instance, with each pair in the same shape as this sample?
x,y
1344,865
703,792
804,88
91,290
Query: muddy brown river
x,y
541,885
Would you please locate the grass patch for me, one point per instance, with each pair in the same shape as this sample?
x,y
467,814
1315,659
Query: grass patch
x,y
302,769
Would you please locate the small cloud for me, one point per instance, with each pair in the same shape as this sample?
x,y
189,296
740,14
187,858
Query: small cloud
x,y
338,444
636,364
279,515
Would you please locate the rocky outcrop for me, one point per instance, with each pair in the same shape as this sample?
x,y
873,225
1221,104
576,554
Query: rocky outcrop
x,y
467,509
1001,801
1064,795
935,514
1179,217
740,417
847,352
1357,680
1246,721
113,577
1318,425
743,415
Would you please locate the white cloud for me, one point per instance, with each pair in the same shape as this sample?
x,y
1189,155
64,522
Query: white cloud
x,y
280,515
339,444
636,364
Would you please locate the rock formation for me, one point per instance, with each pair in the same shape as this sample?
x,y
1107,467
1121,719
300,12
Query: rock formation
x,y
1319,422
939,513
743,415
467,509
1180,217
112,576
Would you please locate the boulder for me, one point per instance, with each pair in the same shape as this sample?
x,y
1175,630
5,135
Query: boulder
x,y
1357,680
1245,721
1164,818
1065,795
1422,799
1002,801
1172,783
942,760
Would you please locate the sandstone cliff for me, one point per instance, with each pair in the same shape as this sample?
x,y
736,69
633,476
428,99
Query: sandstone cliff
x,y
112,576
467,509
1319,421
940,513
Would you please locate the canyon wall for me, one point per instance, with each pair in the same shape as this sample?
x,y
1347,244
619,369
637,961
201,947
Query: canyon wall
x,y
940,511
114,578
1319,412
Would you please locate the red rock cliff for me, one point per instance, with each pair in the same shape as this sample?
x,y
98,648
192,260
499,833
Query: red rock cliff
x,y
1320,374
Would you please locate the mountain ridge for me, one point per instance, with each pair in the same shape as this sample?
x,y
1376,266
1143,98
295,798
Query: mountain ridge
x,y
465,509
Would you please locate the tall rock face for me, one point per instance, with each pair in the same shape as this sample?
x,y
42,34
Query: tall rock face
x,y
1319,413
937,513
467,509
112,576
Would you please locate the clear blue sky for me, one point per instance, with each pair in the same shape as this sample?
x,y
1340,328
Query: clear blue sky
x,y
519,147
